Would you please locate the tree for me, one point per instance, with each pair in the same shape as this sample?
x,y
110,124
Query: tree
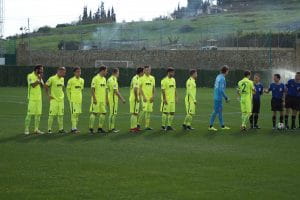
x,y
102,12
205,6
84,15
113,14
100,16
97,16
178,13
90,16
108,16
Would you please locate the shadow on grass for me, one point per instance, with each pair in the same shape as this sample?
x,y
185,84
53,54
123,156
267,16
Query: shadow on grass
x,y
21,138
181,133
211,134
291,133
85,137
124,136
154,134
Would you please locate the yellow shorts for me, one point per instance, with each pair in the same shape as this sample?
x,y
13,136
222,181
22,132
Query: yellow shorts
x,y
56,107
76,108
147,106
246,106
167,108
190,107
134,107
100,107
113,106
34,107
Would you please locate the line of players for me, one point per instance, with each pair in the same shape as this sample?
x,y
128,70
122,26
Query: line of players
x,y
105,93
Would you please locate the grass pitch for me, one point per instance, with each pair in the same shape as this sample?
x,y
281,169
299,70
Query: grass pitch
x,y
262,164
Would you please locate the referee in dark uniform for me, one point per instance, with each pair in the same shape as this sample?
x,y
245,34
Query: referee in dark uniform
x,y
278,90
259,88
292,102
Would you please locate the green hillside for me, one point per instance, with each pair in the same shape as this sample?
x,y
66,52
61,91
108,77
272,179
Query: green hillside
x,y
260,18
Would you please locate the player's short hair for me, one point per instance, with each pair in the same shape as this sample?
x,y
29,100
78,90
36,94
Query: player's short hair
x,y
115,70
192,71
76,68
247,73
224,69
37,67
61,69
277,76
257,74
102,68
170,69
139,70
146,67
297,73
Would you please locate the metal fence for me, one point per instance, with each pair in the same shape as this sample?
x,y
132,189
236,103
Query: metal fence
x,y
206,78
8,51
157,35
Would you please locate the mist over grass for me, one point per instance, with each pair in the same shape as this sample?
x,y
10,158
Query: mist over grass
x,y
260,17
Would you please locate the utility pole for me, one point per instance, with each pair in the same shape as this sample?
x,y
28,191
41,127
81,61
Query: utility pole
x,y
1,18
29,45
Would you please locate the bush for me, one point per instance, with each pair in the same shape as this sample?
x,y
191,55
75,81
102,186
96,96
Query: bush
x,y
44,29
68,45
63,25
186,29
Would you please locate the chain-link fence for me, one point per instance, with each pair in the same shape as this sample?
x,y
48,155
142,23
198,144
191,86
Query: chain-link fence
x,y
205,79
165,35
8,52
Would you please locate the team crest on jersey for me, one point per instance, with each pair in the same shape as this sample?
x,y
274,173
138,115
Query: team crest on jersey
x,y
59,85
171,86
78,87
149,84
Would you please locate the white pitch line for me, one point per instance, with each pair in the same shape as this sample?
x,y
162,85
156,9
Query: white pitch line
x,y
16,102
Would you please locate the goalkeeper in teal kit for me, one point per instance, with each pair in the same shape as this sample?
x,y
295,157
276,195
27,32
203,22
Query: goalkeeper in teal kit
x,y
219,94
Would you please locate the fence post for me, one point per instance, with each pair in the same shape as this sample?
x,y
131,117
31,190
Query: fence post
x,y
270,50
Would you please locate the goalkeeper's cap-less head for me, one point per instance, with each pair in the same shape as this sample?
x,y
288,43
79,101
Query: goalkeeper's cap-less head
x,y
224,69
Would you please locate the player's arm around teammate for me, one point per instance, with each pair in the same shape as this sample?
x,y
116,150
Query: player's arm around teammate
x,y
113,96
147,90
35,84
190,100
55,91
134,100
98,100
75,87
168,99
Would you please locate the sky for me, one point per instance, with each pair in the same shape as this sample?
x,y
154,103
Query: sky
x,y
52,12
